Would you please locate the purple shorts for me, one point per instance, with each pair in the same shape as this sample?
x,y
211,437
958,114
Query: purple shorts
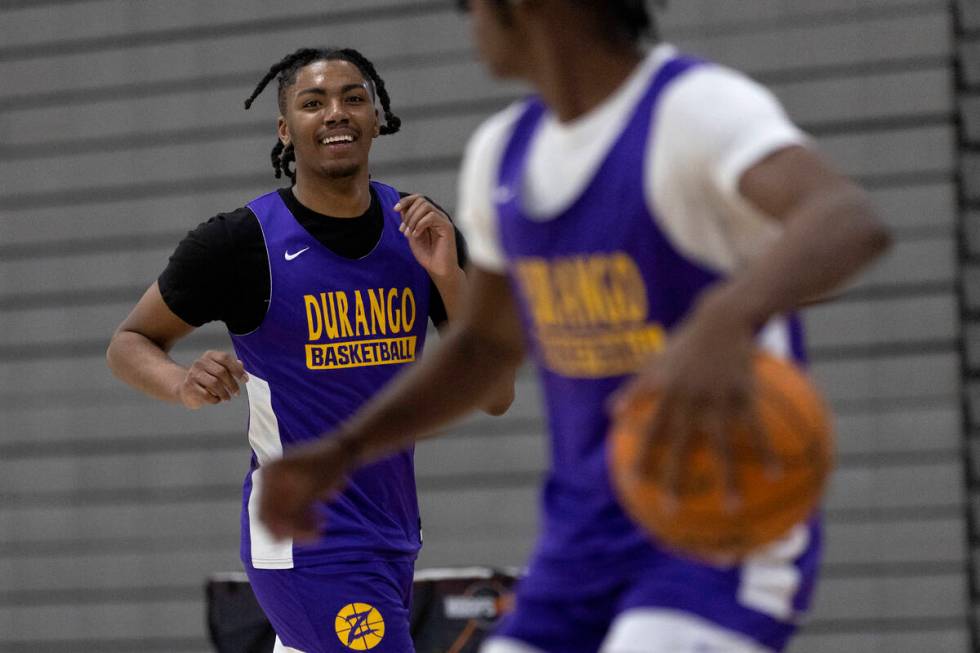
x,y
338,608
762,599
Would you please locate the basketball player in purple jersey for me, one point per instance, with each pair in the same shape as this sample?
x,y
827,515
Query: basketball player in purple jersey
x,y
325,288
642,224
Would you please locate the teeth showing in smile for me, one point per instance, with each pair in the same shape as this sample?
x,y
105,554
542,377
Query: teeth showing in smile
x,y
345,138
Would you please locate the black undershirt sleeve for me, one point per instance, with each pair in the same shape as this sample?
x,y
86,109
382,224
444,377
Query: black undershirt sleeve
x,y
219,271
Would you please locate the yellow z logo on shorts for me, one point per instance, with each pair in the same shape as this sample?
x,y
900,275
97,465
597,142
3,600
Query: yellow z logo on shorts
x,y
359,626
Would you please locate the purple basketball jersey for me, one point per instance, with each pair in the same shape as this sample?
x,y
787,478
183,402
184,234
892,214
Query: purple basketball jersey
x,y
335,332
599,287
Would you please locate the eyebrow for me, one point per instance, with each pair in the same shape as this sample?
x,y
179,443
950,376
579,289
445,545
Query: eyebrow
x,y
316,90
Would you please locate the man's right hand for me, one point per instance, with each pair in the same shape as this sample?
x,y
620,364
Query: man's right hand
x,y
211,379
292,485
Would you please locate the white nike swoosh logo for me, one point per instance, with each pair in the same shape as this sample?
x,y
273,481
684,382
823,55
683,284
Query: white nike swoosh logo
x,y
503,194
290,257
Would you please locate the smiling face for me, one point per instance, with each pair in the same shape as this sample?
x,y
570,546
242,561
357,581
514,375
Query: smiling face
x,y
329,118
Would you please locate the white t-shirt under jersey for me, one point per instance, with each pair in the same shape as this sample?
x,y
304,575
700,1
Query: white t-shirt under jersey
x,y
712,124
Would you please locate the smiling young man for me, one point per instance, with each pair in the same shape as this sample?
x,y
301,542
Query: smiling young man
x,y
642,224
325,288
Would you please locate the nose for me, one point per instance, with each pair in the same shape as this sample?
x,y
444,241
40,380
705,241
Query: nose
x,y
336,113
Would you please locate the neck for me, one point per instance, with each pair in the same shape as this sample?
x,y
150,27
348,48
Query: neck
x,y
571,84
339,197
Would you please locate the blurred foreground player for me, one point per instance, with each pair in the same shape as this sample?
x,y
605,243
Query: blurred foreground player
x,y
325,288
639,225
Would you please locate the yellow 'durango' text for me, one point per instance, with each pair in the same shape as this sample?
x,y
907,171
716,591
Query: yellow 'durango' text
x,y
590,313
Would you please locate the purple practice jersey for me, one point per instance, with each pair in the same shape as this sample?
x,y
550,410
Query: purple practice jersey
x,y
336,331
599,286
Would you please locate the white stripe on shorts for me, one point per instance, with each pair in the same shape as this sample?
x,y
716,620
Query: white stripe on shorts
x,y
655,630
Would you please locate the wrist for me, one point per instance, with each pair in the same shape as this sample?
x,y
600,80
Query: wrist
x,y
449,281
351,449
736,307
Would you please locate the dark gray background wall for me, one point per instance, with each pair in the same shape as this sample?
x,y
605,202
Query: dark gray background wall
x,y
121,128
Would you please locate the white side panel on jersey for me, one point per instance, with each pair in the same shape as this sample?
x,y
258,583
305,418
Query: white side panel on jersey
x,y
280,648
775,339
654,630
770,580
263,427
263,436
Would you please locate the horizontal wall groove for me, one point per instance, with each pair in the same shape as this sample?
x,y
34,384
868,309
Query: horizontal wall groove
x,y
71,298
884,514
898,625
891,291
856,14
202,84
870,351
251,181
122,645
122,446
86,348
128,496
107,244
192,33
159,189
182,592
813,73
185,543
142,140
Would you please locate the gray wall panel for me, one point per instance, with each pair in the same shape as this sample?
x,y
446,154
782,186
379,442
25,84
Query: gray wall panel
x,y
944,638
928,318
901,428
910,597
896,378
123,128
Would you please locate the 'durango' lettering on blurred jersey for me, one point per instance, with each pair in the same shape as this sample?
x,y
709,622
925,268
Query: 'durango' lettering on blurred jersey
x,y
589,313
360,328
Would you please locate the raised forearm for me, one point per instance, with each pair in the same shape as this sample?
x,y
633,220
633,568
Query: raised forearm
x,y
452,289
825,243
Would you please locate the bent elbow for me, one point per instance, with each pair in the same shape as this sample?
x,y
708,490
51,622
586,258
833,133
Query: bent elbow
x,y
499,405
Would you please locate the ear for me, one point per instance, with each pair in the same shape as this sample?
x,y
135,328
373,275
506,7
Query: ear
x,y
377,123
282,128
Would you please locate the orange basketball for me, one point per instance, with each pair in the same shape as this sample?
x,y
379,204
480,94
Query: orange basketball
x,y
702,522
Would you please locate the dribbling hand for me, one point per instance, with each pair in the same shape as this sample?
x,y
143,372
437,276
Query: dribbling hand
x,y
211,379
704,382
292,485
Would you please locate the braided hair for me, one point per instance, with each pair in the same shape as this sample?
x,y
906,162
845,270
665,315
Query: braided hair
x,y
288,67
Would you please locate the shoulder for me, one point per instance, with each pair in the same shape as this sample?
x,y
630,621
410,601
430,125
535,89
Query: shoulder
x,y
717,97
228,230
714,122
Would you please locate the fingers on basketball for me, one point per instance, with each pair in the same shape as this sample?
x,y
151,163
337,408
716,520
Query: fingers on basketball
x,y
775,457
